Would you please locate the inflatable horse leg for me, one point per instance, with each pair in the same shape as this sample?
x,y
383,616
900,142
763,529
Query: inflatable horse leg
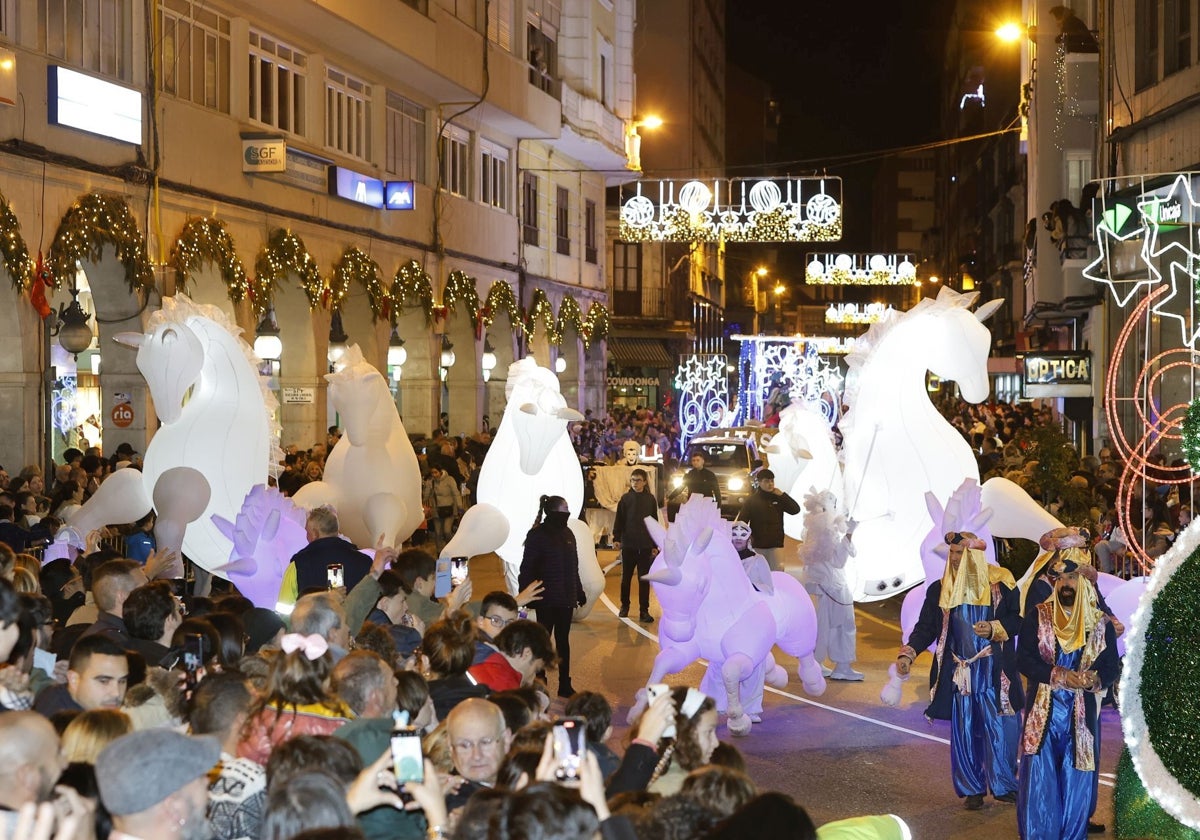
x,y
383,514
735,668
181,495
670,660
775,675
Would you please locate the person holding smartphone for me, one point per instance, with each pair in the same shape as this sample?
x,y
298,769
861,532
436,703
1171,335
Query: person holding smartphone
x,y
309,568
552,557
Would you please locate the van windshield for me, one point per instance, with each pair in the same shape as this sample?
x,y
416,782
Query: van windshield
x,y
730,455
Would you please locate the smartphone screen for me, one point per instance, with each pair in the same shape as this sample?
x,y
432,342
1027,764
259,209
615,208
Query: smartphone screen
x,y
458,570
442,584
335,576
652,693
193,662
570,744
407,762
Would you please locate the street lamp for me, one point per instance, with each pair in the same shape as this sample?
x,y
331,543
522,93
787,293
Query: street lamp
x,y
268,346
74,332
560,364
396,354
447,357
488,360
779,292
1010,32
338,340
633,140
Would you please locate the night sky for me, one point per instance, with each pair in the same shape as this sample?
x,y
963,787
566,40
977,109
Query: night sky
x,y
850,76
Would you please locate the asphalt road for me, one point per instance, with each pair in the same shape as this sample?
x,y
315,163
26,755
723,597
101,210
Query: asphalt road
x,y
839,755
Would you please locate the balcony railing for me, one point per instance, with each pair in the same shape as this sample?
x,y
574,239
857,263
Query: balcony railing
x,y
659,303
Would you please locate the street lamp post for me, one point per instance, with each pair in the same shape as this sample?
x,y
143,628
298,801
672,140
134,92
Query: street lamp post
x,y
779,291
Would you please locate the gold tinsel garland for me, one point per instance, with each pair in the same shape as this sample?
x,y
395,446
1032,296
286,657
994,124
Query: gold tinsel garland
x,y
570,315
460,288
596,325
285,252
412,285
12,247
540,309
500,298
207,240
355,265
92,222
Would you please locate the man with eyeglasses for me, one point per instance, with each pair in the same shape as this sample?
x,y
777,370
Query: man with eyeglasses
x,y
637,547
479,741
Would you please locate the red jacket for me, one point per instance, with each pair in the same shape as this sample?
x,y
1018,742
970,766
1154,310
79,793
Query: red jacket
x,y
496,673
272,727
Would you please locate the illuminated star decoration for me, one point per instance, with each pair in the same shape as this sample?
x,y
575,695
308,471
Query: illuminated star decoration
x,y
1177,208
1099,270
797,366
703,394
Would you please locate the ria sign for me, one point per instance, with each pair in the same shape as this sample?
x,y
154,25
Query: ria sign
x,y
264,155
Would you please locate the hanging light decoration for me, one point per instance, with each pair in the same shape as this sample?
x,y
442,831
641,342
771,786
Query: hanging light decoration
x,y
268,346
560,365
396,354
447,352
488,360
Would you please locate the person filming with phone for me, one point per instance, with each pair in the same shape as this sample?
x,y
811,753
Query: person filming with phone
x,y
317,565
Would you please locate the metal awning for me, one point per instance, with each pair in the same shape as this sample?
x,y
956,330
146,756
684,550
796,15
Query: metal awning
x,y
640,352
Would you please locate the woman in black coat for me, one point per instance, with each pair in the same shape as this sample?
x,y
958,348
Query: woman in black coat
x,y
551,557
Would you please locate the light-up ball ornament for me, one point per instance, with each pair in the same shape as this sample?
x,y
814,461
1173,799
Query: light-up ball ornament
x,y
816,268
878,263
560,365
843,262
906,270
822,209
694,197
638,211
1191,436
765,196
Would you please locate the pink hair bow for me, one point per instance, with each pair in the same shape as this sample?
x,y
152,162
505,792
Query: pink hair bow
x,y
312,646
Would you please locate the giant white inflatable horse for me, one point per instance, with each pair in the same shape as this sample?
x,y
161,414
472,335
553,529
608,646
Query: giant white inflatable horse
x,y
896,445
531,456
371,477
216,440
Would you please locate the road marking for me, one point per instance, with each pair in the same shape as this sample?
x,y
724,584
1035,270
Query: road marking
x,y
1104,777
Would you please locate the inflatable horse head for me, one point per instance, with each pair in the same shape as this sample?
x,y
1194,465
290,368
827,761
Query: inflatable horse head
x,y
537,411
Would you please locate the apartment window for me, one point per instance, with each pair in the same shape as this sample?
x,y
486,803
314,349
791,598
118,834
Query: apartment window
x,y
93,35
453,151
627,278
493,174
1177,35
606,85
347,114
1079,173
543,61
405,138
195,53
562,221
500,16
529,208
589,230
1145,36
277,84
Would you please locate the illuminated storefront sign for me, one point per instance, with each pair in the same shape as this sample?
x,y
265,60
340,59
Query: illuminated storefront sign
x,y
1057,375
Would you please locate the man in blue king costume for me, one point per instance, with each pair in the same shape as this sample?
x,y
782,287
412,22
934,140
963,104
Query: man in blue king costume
x,y
973,614
1068,652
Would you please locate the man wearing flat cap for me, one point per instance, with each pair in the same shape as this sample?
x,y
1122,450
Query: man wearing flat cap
x,y
154,782
1068,652
972,614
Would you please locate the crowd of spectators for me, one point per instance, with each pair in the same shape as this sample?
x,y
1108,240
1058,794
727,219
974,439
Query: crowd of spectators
x,y
289,722
598,440
1005,439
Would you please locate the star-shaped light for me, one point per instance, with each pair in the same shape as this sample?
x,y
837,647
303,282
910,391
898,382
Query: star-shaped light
x,y
1100,271
1182,263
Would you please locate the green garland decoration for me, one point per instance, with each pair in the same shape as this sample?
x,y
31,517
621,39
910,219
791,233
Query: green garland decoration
x,y
1137,814
540,309
597,325
500,298
1170,676
1191,435
570,315
355,265
13,249
412,285
94,221
460,288
285,252
206,240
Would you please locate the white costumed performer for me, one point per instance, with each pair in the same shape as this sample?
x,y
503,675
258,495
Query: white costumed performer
x,y
824,555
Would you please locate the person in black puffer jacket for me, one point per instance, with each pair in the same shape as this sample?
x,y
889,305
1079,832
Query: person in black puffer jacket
x,y
551,557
